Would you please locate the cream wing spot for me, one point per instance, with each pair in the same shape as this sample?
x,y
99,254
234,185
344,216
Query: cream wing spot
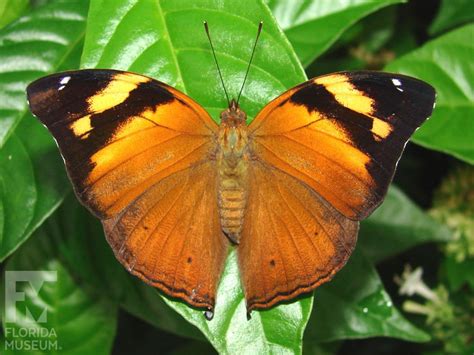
x,y
349,96
346,93
116,92
82,127
381,129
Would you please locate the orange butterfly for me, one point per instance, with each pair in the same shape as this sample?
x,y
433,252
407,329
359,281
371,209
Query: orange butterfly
x,y
174,190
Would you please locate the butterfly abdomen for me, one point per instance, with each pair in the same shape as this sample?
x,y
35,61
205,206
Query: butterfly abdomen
x,y
232,196
232,202
232,180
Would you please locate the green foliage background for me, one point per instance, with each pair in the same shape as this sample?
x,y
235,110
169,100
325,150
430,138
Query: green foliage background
x,y
96,305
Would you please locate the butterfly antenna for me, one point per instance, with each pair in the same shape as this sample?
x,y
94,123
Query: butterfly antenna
x,y
260,25
215,60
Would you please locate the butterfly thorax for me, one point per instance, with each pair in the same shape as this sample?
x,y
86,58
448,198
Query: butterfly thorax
x,y
232,163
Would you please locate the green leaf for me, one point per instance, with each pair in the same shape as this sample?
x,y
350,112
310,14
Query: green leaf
x,y
2,210
50,179
190,347
18,195
452,13
378,28
446,63
145,302
33,46
312,26
45,163
355,305
10,10
398,224
166,40
77,321
459,273
315,348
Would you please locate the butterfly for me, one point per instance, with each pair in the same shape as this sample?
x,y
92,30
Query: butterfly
x,y
174,190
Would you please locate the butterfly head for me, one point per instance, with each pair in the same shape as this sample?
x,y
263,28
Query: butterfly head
x,y
233,116
233,132
234,105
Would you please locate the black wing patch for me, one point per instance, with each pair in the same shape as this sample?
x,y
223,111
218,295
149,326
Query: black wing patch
x,y
378,111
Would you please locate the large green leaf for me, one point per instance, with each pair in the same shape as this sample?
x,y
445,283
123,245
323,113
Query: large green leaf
x,y
446,63
78,321
145,302
33,46
312,26
50,178
355,305
18,192
166,40
398,224
20,46
10,10
452,13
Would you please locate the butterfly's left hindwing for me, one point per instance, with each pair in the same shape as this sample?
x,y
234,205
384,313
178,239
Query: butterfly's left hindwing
x,y
119,132
342,134
293,240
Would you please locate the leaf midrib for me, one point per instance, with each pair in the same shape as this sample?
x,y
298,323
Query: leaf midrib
x,y
170,44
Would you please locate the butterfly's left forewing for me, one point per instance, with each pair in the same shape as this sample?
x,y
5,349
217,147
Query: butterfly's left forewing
x,y
138,154
343,134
